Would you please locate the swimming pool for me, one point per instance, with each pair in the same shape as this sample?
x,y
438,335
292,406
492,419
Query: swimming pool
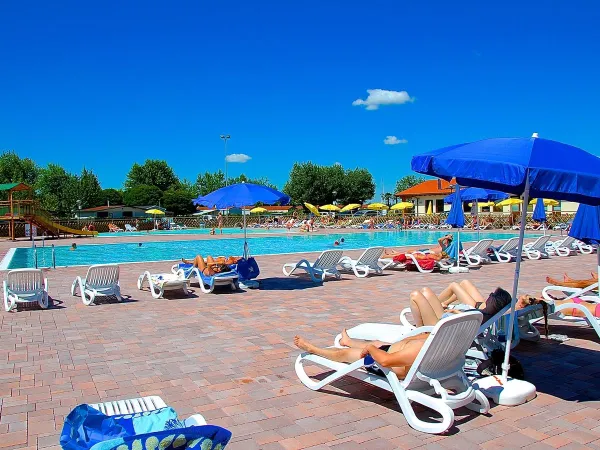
x,y
173,250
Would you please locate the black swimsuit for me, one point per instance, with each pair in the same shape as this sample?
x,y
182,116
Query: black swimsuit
x,y
374,368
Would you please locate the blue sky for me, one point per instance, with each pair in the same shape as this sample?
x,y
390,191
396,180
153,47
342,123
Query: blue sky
x,y
105,85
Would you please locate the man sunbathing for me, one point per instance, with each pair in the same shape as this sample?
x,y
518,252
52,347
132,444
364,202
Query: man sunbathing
x,y
399,357
436,253
570,282
211,265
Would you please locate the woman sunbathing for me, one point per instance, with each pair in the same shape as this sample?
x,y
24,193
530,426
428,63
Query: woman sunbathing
x,y
399,357
436,253
428,309
211,265
570,282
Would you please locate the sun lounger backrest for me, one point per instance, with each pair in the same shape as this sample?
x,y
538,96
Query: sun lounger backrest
x,y
370,256
443,353
102,275
540,243
510,245
328,259
568,242
481,247
25,280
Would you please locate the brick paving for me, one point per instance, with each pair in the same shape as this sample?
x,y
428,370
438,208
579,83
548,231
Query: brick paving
x,y
229,356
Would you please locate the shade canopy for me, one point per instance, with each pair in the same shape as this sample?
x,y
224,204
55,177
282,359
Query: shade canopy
x,y
483,204
456,216
547,202
556,170
539,213
258,210
312,208
586,225
242,194
473,194
510,202
377,206
155,211
329,208
402,206
350,207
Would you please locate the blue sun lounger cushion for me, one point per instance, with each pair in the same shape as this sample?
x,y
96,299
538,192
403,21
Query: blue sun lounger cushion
x,y
247,269
86,428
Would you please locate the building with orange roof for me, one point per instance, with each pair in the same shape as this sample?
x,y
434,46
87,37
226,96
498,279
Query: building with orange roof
x,y
429,192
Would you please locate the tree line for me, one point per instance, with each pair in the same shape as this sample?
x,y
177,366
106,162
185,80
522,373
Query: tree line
x,y
155,183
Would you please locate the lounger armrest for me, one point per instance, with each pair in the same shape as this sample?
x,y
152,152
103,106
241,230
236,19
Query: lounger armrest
x,y
403,320
194,421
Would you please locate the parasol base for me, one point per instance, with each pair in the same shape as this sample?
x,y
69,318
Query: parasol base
x,y
455,269
513,392
249,284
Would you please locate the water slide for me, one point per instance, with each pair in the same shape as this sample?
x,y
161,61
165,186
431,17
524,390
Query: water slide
x,y
44,222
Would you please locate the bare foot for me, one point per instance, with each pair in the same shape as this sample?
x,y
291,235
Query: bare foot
x,y
594,276
301,343
345,340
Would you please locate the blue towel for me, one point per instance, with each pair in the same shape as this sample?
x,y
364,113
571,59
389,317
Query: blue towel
x,y
452,250
86,428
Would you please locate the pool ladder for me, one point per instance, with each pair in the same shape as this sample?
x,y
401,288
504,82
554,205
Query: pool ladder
x,y
35,257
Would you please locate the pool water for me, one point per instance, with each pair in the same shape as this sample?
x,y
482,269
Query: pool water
x,y
173,250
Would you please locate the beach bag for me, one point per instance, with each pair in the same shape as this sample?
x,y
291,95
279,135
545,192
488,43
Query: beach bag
x,y
247,269
86,428
493,366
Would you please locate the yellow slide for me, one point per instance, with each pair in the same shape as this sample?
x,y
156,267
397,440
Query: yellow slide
x,y
56,228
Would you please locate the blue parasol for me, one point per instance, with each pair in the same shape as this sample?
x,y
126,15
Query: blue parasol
x,y
477,195
539,213
586,227
456,218
240,195
522,166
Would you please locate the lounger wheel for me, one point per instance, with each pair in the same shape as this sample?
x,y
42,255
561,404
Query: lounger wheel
x,y
483,404
9,303
43,301
87,299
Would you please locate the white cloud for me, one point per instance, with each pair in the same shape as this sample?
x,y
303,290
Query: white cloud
x,y
237,158
393,140
379,97
337,163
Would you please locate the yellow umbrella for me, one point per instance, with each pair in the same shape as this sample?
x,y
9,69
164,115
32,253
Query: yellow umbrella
x,y
258,210
483,204
350,207
329,208
155,211
547,202
430,209
312,208
510,202
377,206
402,206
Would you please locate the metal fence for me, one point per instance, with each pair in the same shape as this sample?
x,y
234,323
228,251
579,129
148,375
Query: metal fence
x,y
495,221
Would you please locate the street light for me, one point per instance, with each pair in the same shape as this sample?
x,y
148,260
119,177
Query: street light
x,y
225,138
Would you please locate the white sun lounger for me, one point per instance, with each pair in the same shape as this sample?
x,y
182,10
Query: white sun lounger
x,y
159,283
130,227
366,263
207,283
556,313
325,265
140,405
478,254
25,286
101,280
537,249
507,251
586,293
568,246
437,368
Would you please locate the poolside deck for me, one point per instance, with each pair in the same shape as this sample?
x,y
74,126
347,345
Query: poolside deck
x,y
230,357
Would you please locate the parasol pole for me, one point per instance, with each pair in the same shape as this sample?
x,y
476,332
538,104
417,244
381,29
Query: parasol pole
x,y
245,237
511,322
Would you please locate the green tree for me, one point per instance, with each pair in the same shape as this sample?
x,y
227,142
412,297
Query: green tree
x,y
89,192
58,190
407,182
359,186
14,169
308,183
179,199
208,182
111,196
142,195
153,172
387,198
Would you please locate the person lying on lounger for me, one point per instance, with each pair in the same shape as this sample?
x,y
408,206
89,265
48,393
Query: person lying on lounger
x,y
211,265
428,309
571,282
398,356
436,253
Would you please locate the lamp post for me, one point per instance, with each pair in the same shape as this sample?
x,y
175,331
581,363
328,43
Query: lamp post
x,y
225,138
78,211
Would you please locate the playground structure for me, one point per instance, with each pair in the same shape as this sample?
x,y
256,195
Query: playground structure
x,y
29,211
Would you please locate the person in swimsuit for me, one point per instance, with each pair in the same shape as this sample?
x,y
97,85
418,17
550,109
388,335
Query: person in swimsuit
x,y
428,309
571,282
220,222
208,267
398,356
